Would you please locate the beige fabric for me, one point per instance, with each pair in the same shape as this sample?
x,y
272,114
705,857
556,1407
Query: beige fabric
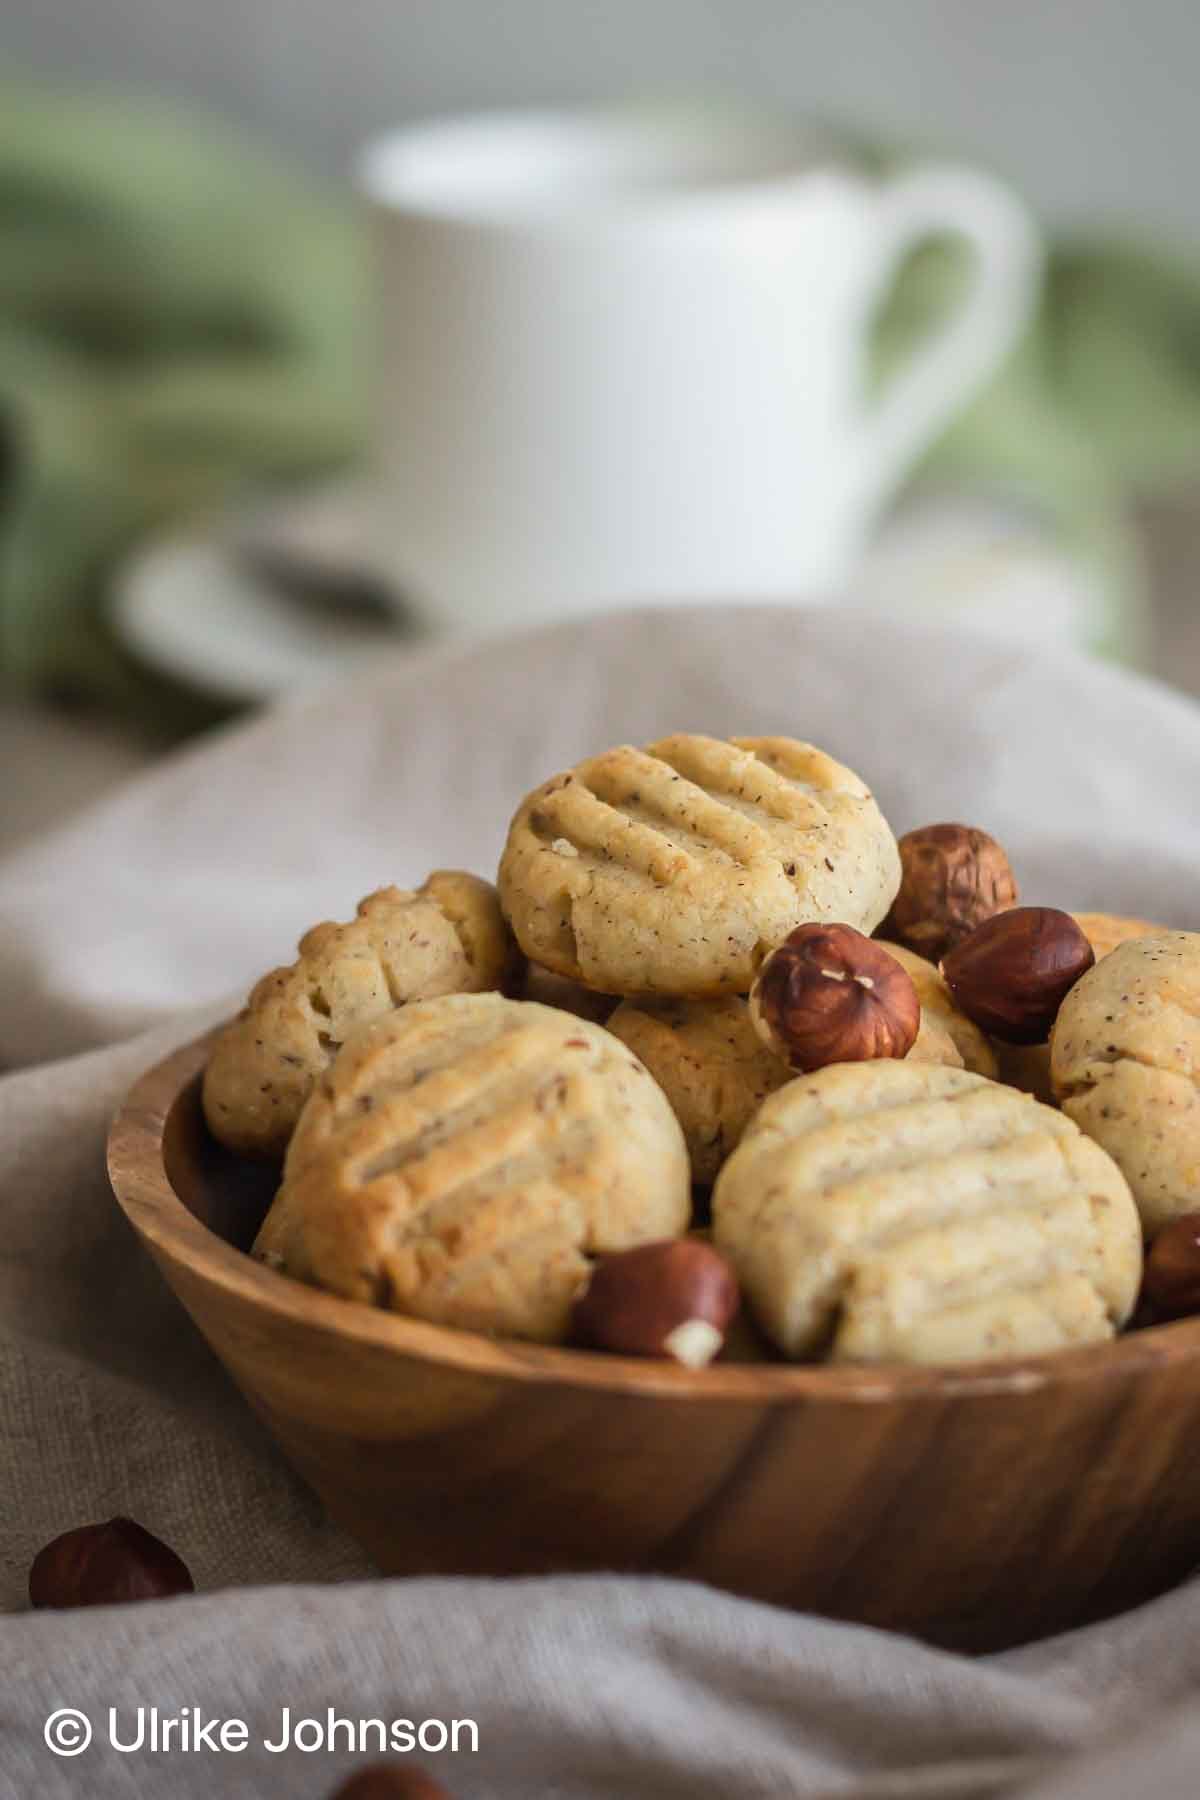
x,y
199,875
465,1156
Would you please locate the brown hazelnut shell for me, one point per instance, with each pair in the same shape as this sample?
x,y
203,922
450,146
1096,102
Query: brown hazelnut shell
x,y
1016,969
1171,1285
828,994
953,877
637,1299
383,1782
106,1565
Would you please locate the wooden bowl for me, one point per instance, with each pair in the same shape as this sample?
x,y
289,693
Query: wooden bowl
x,y
975,1506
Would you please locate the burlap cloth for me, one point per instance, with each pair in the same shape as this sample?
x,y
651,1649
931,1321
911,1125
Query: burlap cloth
x,y
169,896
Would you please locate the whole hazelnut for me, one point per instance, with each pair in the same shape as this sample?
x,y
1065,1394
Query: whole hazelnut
x,y
385,1782
676,1298
952,878
1171,1285
106,1565
1015,970
828,994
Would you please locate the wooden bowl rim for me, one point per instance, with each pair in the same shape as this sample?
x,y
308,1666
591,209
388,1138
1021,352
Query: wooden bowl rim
x,y
137,1171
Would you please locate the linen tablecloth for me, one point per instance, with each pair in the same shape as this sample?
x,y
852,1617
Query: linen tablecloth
x,y
150,912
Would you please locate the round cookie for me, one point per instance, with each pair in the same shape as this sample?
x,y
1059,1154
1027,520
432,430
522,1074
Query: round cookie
x,y
716,1071
710,1063
903,1212
1124,1061
673,870
465,1156
1104,931
449,936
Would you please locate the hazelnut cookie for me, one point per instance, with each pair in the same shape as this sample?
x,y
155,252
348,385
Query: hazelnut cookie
x,y
1125,1062
708,1060
674,869
465,1157
904,1212
446,937
1104,931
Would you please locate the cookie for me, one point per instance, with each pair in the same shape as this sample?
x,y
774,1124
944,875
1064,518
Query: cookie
x,y
464,1158
946,1035
1124,1061
1104,931
716,1071
903,1212
447,937
673,870
708,1060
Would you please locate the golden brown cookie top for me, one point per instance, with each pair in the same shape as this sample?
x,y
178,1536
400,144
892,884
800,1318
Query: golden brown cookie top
x,y
673,869
466,1155
447,936
710,1063
1104,931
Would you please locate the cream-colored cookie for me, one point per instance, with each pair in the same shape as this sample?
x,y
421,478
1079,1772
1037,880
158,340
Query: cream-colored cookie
x,y
904,1212
708,1060
673,870
1125,1061
716,1071
447,937
465,1156
946,1034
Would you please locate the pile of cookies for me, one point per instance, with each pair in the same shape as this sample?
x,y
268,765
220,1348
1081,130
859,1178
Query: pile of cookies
x,y
715,1040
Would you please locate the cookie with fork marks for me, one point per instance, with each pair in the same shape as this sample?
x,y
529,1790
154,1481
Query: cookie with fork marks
x,y
675,869
447,936
908,1212
466,1157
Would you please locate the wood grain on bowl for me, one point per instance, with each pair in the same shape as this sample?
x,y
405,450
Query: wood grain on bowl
x,y
976,1506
